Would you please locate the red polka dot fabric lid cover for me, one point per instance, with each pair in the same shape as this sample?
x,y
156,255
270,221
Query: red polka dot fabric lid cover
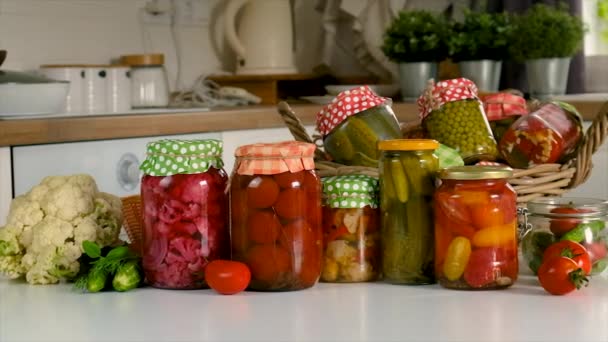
x,y
345,104
440,93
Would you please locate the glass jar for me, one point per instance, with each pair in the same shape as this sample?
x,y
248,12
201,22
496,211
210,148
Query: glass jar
x,y
550,134
453,115
185,211
476,228
407,170
351,229
502,109
353,123
149,85
552,219
275,198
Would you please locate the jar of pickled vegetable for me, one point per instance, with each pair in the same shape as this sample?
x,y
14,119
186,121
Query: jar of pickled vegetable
x,y
453,115
275,201
351,229
476,228
550,221
185,211
502,109
550,134
407,171
353,123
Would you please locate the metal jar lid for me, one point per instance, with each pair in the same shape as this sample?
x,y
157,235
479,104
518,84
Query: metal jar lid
x,y
476,172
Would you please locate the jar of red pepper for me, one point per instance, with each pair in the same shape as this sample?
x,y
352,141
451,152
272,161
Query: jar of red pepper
x,y
275,201
475,228
351,229
551,134
185,211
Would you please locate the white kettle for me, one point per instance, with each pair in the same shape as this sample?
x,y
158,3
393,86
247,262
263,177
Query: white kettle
x,y
264,44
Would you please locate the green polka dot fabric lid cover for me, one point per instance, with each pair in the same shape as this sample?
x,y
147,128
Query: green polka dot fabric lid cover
x,y
350,191
168,157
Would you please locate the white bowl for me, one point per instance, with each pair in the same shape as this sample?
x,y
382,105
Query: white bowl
x,y
18,99
386,90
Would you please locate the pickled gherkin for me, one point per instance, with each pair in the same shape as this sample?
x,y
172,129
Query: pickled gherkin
x,y
407,171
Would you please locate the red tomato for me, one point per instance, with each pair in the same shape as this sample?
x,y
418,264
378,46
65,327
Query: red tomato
x,y
263,226
572,250
488,264
227,277
290,179
291,203
561,275
268,262
262,192
596,250
560,226
299,237
486,215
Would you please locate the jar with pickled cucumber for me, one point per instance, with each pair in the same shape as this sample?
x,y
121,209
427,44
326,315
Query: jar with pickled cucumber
x,y
353,123
452,114
351,229
407,170
581,222
475,228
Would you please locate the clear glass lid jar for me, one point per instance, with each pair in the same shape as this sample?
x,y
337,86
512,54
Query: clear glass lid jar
x,y
149,84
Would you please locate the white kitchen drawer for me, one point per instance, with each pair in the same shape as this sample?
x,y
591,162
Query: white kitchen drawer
x,y
102,159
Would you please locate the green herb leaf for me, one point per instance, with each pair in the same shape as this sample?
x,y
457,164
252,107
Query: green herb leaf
x,y
117,253
91,249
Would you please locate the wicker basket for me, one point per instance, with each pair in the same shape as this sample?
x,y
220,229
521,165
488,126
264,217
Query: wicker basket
x,y
538,181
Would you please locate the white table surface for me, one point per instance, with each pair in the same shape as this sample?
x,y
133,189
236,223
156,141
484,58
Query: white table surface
x,y
326,312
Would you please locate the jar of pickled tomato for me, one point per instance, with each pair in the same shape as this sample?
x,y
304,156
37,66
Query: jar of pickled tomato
x,y
185,211
275,201
476,228
407,172
351,229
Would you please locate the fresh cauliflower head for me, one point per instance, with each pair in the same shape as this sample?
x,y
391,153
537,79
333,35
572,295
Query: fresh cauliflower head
x,y
45,228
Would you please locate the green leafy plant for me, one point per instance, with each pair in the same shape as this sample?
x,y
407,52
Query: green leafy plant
x,y
480,36
546,32
416,36
602,14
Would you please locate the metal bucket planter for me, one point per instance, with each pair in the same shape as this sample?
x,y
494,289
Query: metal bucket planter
x,y
484,73
547,77
413,78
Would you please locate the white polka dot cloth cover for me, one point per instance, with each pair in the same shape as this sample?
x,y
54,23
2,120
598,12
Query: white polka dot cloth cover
x,y
168,157
345,104
440,93
350,191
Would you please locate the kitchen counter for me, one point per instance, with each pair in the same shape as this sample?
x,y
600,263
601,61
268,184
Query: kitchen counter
x,y
83,128
326,312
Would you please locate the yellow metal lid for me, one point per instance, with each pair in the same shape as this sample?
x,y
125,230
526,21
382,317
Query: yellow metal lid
x,y
407,144
473,172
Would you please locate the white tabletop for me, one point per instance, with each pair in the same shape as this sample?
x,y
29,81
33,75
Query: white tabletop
x,y
326,312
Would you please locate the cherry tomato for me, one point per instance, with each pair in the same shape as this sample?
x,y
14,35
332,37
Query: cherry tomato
x,y
560,226
298,236
486,215
572,250
290,179
486,265
268,262
596,250
561,275
227,277
263,226
262,192
291,203
453,209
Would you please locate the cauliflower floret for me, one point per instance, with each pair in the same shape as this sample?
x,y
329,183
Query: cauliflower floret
x,y
340,251
357,272
46,228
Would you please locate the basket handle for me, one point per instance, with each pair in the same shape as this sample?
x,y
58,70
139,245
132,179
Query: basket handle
x,y
297,128
594,137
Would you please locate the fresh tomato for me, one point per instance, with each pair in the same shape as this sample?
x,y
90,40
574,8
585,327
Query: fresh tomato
x,y
596,250
487,265
227,277
572,250
560,226
486,215
561,275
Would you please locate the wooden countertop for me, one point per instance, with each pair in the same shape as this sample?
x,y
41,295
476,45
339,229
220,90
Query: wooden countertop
x,y
83,128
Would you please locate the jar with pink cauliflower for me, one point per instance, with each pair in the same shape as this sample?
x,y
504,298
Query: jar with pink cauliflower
x,y
185,212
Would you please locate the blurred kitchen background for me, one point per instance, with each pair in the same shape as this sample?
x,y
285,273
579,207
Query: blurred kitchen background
x,y
37,32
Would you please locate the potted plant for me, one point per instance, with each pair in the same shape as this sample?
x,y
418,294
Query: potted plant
x,y
416,40
546,38
478,45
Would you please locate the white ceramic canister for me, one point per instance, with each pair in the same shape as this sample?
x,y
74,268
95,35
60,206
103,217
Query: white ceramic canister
x,y
118,89
149,84
72,73
94,91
